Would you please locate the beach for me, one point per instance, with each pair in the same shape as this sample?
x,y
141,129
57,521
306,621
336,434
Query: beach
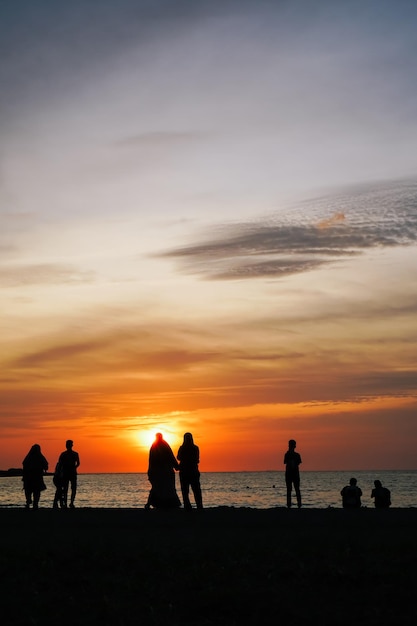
x,y
218,566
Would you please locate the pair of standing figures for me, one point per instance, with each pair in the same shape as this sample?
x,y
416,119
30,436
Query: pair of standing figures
x,y
161,474
35,466
162,466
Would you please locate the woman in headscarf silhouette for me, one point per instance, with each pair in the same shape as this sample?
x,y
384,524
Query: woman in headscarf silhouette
x,y
161,475
34,467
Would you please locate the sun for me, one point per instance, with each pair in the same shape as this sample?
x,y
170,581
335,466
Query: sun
x,y
146,437
168,424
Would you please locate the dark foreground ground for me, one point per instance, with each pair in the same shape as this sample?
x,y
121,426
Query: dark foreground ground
x,y
220,566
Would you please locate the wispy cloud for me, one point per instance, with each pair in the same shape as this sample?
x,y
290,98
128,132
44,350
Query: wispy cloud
x,y
42,274
355,223
159,139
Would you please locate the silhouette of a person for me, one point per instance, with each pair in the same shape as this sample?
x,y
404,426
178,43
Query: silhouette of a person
x,y
161,475
351,495
34,467
58,481
189,458
382,496
69,461
292,461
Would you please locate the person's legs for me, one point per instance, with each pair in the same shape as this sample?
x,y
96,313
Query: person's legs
x,y
185,490
65,485
58,498
297,492
288,482
28,496
36,497
73,490
196,488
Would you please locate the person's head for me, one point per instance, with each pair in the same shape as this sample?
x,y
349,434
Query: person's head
x,y
377,484
353,482
35,449
188,438
292,444
159,437
69,443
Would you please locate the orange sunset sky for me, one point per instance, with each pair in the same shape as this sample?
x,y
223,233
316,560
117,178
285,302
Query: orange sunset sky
x,y
209,224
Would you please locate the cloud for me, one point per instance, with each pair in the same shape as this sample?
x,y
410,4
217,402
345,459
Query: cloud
x,y
314,235
159,139
42,274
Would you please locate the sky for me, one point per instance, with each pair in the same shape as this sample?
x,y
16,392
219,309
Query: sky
x,y
209,224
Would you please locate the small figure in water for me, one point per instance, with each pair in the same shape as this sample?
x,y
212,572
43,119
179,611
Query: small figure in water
x,y
292,461
34,467
351,495
382,496
189,458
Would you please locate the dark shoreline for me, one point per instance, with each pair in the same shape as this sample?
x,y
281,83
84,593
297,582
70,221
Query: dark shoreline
x,y
220,566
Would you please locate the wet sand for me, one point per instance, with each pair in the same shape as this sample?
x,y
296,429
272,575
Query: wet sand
x,y
216,566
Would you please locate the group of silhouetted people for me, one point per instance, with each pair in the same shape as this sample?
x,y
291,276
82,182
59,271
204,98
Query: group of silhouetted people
x,y
161,474
351,493
35,467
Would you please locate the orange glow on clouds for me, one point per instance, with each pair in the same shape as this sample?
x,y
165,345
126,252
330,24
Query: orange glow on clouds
x,y
233,439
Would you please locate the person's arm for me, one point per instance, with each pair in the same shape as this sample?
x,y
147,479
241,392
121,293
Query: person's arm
x,y
77,461
174,461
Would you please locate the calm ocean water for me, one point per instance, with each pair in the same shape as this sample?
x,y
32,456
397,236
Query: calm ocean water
x,y
261,490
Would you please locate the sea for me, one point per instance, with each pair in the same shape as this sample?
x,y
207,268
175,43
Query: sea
x,y
258,490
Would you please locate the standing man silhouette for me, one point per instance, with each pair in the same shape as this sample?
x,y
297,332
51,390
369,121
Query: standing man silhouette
x,y
69,460
292,460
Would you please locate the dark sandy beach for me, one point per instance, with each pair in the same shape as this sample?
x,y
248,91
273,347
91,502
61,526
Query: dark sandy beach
x,y
218,566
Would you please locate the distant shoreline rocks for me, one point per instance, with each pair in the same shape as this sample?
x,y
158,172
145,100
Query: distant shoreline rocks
x,y
12,471
17,471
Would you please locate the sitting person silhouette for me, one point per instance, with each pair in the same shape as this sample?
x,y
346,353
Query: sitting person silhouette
x,y
382,496
351,495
